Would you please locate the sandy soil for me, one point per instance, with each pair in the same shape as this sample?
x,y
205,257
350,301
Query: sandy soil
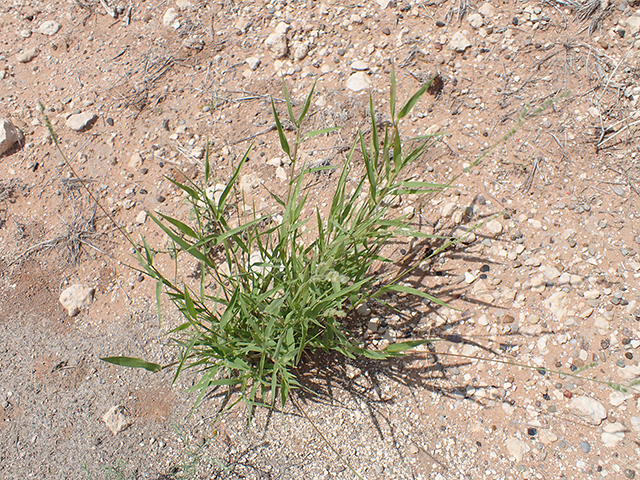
x,y
550,279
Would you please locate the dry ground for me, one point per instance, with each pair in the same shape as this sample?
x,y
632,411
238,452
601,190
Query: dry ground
x,y
551,281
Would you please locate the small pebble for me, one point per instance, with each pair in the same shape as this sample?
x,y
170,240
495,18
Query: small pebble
x,y
110,121
586,448
532,432
386,31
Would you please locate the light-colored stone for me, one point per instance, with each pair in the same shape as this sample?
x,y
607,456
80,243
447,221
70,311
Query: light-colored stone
x,y
360,66
282,28
277,44
517,448
301,51
494,227
464,235
136,161
589,409
591,294
184,4
551,273
358,81
612,434
169,17
81,121
635,423
281,173
9,135
49,28
383,3
547,437
476,20
116,419
459,43
27,55
487,10
76,297
448,209
141,218
633,23
618,398
253,62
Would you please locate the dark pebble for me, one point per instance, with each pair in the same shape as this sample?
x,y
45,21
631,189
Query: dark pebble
x,y
479,443
629,356
629,473
621,33
584,446
161,164
604,344
143,191
532,432
515,21
160,198
573,368
440,23
542,371
546,397
403,251
485,268
483,276
386,31
144,171
437,46
110,121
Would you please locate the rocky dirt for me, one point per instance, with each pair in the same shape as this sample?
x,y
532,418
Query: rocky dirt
x,y
548,280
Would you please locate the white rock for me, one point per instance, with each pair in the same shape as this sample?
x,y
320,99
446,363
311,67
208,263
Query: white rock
x,y
9,135
517,448
476,20
184,4
141,218
591,294
49,28
360,66
589,409
459,42
465,236
169,17
487,10
116,419
618,398
635,423
301,51
552,273
282,28
275,162
27,55
601,323
494,227
358,81
383,3
555,303
80,121
448,209
76,298
281,173
633,23
242,24
277,43
564,279
612,434
253,63
576,280
136,161
547,437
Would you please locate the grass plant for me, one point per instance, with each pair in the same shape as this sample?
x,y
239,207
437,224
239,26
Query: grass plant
x,y
286,287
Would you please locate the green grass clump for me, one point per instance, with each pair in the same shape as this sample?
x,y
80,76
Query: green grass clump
x,y
288,287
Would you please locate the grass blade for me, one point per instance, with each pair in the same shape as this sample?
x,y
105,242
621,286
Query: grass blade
x,y
283,140
133,363
288,102
307,104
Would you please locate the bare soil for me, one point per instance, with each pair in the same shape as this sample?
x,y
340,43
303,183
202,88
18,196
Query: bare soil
x,y
549,281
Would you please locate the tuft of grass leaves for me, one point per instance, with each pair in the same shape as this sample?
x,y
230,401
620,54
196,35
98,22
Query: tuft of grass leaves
x,y
277,293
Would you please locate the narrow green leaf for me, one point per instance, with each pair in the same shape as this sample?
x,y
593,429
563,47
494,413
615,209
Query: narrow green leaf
x,y
133,363
207,167
371,174
305,108
392,96
375,141
234,177
158,300
283,140
186,229
404,346
189,303
288,101
413,100
321,131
